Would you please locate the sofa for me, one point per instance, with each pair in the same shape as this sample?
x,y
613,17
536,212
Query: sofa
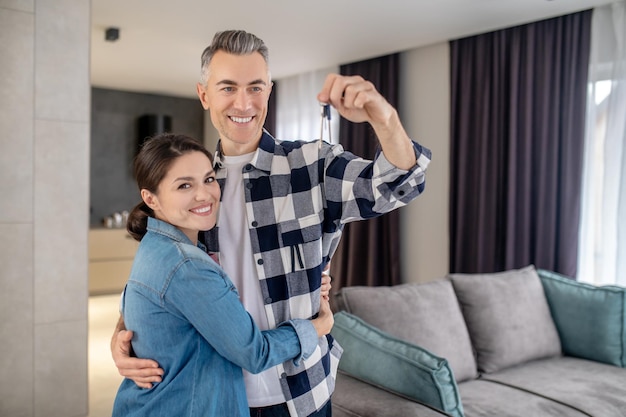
x,y
525,342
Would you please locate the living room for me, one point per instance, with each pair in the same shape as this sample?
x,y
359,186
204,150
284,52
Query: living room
x,y
47,285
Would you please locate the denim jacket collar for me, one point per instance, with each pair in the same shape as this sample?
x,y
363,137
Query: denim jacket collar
x,y
166,229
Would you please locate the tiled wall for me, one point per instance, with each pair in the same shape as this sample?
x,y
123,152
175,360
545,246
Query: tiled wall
x,y
44,206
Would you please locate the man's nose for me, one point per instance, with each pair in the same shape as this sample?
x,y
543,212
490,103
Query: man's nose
x,y
242,100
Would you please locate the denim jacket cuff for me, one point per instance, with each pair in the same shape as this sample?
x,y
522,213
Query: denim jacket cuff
x,y
308,338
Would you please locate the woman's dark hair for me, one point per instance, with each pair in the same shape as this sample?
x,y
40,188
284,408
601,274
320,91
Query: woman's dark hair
x,y
150,167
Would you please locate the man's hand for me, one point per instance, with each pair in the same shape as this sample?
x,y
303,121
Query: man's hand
x,y
357,100
142,371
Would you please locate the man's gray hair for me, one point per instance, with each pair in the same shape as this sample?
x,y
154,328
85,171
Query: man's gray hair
x,y
236,42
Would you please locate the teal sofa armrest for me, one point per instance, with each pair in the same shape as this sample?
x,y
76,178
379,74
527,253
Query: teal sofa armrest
x,y
377,357
590,320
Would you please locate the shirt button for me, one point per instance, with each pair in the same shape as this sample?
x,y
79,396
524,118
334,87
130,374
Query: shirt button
x,y
255,223
400,192
249,186
260,261
268,300
248,167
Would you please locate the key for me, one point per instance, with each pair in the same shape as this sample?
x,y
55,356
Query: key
x,y
325,122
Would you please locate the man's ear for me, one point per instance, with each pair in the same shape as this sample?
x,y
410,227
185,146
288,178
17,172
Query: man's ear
x,y
150,199
201,91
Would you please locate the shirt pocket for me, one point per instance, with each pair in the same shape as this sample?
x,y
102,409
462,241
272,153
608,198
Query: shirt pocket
x,y
304,237
302,230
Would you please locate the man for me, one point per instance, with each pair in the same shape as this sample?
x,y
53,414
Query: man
x,y
286,204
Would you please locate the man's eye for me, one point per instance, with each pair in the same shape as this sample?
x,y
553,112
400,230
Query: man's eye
x,y
228,89
256,89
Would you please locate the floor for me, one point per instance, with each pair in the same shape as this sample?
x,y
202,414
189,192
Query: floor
x,y
103,376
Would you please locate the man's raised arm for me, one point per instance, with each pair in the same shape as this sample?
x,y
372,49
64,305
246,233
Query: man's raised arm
x,y
357,100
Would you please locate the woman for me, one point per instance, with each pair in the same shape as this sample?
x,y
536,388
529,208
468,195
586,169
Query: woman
x,y
184,311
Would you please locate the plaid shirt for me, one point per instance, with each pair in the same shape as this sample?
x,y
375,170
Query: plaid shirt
x,y
298,197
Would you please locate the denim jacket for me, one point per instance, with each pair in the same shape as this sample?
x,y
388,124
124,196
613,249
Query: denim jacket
x,y
185,314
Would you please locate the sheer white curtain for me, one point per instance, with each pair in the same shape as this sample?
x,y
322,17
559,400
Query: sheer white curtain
x,y
602,248
297,109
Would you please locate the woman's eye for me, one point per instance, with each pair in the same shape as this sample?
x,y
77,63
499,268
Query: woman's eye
x,y
184,186
209,180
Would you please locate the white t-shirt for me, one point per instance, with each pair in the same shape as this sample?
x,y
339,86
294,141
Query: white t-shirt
x,y
237,260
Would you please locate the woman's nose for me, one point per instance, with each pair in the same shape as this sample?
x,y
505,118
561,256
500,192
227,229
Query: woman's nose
x,y
205,193
202,194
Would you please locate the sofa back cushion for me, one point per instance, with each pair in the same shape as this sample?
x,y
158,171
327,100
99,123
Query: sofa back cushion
x,y
507,316
427,315
591,320
395,365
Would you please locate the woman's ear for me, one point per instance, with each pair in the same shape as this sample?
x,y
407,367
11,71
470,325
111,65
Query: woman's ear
x,y
150,199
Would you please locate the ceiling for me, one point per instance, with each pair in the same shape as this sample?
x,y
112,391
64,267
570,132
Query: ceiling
x,y
160,42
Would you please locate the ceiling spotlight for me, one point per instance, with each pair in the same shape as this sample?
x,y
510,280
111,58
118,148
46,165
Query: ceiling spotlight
x,y
112,34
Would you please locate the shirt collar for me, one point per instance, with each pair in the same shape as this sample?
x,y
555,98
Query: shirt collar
x,y
262,158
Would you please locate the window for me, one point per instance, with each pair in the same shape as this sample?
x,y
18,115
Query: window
x,y
298,114
602,242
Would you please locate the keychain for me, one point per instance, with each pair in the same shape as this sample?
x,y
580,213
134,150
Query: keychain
x,y
325,113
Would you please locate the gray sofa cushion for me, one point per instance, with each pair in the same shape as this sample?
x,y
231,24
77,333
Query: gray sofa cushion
x,y
507,316
354,398
427,315
376,357
489,399
591,320
594,388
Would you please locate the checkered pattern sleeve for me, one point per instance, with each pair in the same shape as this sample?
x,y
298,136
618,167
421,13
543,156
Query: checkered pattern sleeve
x,y
357,188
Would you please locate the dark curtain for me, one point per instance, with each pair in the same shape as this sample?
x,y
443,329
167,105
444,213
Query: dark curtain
x,y
369,251
270,120
517,130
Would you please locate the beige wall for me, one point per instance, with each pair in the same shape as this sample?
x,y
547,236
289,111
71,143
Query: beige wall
x,y
44,200
425,111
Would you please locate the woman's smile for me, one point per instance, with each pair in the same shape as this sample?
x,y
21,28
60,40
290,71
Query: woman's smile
x,y
203,210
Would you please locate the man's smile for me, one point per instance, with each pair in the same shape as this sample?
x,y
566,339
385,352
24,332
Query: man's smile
x,y
241,119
